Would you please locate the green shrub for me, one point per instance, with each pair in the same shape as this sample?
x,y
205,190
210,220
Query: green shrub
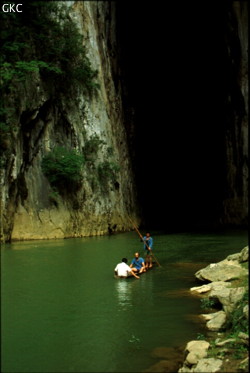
x,y
54,197
110,151
240,351
208,303
200,337
92,146
4,128
62,165
108,171
237,321
20,69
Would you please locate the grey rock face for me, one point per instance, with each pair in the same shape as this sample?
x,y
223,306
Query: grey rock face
x,y
225,270
30,207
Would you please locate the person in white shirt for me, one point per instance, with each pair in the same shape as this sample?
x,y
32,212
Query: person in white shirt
x,y
123,270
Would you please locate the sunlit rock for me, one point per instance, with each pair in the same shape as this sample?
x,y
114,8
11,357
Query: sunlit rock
x,y
225,270
234,257
226,341
230,297
246,311
216,320
208,365
211,288
201,289
196,350
244,255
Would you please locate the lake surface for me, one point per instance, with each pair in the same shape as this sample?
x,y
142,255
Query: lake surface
x,y
63,310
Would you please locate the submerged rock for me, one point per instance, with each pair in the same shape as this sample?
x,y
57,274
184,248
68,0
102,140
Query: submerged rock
x,y
164,366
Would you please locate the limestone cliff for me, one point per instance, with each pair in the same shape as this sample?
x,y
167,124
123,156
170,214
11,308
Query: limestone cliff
x,y
30,207
110,125
235,204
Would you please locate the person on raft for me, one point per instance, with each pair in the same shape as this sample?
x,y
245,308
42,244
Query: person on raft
x,y
138,264
122,270
148,247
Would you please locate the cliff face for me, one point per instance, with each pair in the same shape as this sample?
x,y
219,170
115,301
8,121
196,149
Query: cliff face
x,y
190,92
235,204
30,207
115,123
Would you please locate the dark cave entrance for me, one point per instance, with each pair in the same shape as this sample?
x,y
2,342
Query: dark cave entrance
x,y
173,69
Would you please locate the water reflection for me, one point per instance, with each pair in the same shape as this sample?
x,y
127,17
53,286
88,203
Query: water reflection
x,y
123,291
34,244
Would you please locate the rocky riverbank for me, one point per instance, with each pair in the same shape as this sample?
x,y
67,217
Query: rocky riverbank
x,y
225,293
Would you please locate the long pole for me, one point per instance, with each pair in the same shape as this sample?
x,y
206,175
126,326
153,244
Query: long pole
x,y
137,230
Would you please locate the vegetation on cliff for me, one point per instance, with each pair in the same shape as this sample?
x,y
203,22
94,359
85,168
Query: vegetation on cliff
x,y
63,166
44,39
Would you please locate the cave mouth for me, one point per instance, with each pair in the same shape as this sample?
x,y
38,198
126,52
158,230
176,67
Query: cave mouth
x,y
173,71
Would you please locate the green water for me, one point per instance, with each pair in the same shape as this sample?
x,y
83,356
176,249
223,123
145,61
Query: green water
x,y
63,311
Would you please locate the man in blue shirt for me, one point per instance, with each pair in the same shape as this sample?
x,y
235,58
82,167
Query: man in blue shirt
x,y
148,246
138,264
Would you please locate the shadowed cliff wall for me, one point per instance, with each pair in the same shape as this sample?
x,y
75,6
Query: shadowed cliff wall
x,y
186,77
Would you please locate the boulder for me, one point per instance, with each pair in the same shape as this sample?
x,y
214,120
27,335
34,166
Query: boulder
x,y
244,255
225,270
213,287
216,321
196,350
192,345
245,311
230,300
220,290
227,297
208,365
185,369
217,286
194,356
243,336
207,316
201,289
234,257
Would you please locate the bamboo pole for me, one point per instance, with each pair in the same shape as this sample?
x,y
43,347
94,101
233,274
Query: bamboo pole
x,y
137,230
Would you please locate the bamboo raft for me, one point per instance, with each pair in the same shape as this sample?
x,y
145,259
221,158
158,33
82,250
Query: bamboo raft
x,y
131,276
